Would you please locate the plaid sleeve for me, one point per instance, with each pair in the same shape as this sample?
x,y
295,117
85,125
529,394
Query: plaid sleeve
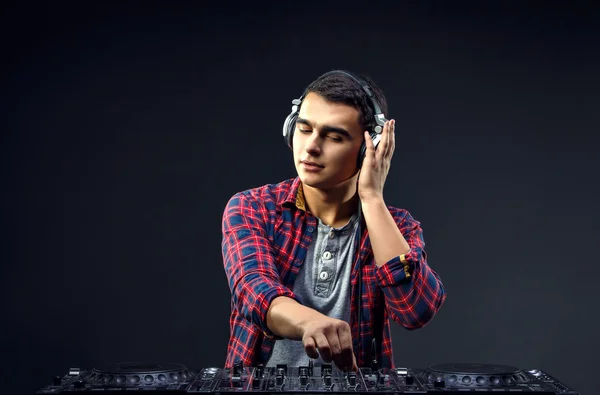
x,y
249,261
413,291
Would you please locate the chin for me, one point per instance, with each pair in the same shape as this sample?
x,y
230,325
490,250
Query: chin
x,y
314,180
319,181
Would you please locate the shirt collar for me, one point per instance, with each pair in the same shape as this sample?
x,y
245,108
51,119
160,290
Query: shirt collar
x,y
295,195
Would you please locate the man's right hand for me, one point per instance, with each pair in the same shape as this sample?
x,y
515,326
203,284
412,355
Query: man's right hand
x,y
321,335
330,338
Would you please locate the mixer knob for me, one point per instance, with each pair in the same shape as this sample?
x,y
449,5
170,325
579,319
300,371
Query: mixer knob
x,y
326,369
256,382
78,384
57,381
303,371
284,367
237,369
381,379
352,379
310,368
303,380
259,371
410,380
327,379
439,383
279,379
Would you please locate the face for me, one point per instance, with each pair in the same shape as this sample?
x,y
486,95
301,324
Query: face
x,y
326,142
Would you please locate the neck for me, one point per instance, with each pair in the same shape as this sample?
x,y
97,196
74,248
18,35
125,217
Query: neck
x,y
334,206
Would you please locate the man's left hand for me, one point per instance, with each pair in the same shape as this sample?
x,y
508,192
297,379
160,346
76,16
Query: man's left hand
x,y
376,164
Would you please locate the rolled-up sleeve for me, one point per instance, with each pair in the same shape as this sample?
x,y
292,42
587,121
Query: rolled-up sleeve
x,y
413,291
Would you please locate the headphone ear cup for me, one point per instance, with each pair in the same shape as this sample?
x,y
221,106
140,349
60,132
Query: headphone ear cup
x,y
361,154
363,147
288,128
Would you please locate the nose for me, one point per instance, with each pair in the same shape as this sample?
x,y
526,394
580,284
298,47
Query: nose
x,y
312,145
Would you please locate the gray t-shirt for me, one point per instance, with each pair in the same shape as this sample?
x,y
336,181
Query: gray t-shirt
x,y
323,284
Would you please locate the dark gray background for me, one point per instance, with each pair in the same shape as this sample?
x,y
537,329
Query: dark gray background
x,y
126,128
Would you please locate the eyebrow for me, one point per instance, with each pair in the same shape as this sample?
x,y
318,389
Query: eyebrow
x,y
326,128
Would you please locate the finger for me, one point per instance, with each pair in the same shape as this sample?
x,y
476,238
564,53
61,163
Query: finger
x,y
323,347
369,142
383,142
370,152
347,356
354,363
390,137
337,354
393,138
310,347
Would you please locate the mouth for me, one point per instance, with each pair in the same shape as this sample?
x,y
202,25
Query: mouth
x,y
311,167
312,164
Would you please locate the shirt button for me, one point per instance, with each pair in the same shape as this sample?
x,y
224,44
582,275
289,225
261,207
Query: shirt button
x,y
331,235
323,275
310,229
327,255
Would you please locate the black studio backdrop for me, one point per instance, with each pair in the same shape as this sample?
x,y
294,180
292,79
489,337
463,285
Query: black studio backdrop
x,y
126,128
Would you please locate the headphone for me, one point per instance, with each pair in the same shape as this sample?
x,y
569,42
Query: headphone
x,y
289,126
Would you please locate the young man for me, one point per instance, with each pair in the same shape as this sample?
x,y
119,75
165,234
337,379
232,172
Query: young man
x,y
318,265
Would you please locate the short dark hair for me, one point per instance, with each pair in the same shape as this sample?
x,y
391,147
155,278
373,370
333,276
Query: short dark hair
x,y
340,88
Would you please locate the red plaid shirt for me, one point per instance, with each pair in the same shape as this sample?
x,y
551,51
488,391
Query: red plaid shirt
x,y
266,235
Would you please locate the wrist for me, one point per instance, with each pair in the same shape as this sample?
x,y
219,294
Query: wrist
x,y
372,203
289,319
